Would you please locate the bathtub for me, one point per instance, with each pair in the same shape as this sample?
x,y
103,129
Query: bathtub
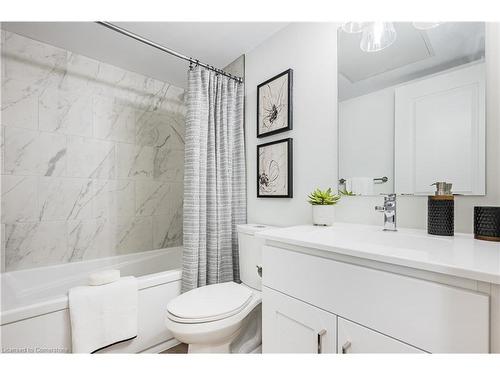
x,y
34,310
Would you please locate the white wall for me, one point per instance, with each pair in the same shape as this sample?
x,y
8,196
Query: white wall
x,y
237,67
310,50
366,133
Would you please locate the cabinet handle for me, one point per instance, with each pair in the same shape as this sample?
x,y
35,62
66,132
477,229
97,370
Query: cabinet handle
x,y
320,340
345,347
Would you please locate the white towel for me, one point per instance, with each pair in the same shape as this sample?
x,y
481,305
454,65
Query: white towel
x,y
360,185
103,315
103,277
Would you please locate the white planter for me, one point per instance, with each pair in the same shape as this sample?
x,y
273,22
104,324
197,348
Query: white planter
x,y
323,214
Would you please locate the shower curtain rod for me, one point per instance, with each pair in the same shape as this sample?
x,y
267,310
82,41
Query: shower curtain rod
x,y
167,50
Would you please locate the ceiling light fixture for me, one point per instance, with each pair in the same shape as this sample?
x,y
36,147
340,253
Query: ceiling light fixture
x,y
353,27
379,35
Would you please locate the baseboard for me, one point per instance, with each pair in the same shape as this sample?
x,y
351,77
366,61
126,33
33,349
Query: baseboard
x,y
161,347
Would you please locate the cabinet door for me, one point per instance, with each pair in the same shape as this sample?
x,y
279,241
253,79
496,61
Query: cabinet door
x,y
440,132
292,326
353,338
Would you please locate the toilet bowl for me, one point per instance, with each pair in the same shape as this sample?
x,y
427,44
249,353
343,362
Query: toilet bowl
x,y
225,317
214,331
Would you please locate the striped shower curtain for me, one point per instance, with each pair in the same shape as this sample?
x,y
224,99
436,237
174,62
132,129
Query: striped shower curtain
x,y
214,179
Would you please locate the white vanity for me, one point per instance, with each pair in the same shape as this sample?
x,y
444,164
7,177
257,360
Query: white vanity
x,y
356,289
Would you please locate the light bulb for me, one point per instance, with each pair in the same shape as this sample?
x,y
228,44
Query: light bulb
x,y
377,36
353,27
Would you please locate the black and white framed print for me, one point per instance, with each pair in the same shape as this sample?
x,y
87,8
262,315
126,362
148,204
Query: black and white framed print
x,y
274,169
274,104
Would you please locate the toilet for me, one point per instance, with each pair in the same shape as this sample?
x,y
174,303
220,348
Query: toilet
x,y
225,317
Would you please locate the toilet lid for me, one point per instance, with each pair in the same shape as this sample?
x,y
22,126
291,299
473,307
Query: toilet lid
x,y
209,303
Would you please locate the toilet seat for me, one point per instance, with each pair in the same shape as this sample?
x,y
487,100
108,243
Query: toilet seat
x,y
210,335
209,303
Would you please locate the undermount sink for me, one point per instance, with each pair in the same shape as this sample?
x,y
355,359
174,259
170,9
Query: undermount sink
x,y
404,239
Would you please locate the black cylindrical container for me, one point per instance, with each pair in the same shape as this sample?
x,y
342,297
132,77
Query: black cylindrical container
x,y
441,215
487,223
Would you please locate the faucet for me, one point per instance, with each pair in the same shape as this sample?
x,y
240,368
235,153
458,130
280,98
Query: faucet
x,y
389,210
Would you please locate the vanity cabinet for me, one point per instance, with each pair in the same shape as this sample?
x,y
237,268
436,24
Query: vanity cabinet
x,y
292,326
375,310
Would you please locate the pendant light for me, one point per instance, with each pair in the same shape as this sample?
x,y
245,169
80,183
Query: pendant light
x,y
353,27
377,36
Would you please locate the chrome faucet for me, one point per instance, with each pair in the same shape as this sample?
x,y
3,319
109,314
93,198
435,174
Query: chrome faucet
x,y
389,210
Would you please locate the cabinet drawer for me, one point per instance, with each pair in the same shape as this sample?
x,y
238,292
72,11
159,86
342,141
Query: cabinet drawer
x,y
353,338
293,326
431,316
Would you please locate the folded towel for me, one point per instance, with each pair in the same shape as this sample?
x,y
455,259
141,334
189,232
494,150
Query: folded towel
x,y
360,185
104,277
103,315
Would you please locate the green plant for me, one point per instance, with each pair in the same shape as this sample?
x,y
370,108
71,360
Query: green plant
x,y
347,193
323,198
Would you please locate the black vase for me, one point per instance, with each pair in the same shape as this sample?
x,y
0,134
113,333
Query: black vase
x,y
441,215
487,223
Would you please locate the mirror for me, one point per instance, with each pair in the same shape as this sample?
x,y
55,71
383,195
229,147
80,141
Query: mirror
x,y
411,107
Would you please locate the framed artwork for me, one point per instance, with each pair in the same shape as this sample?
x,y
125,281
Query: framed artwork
x,y
274,104
274,169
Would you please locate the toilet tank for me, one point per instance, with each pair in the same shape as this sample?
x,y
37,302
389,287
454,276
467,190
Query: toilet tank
x,y
250,248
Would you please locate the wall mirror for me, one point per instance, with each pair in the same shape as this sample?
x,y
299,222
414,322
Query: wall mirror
x,y
411,107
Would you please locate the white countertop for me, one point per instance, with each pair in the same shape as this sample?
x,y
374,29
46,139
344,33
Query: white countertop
x,y
461,255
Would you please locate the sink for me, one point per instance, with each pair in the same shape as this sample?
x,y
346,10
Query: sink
x,y
377,237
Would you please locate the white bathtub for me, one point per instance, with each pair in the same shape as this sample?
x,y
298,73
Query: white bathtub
x,y
34,311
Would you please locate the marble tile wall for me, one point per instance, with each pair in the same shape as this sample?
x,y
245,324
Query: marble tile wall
x,y
92,158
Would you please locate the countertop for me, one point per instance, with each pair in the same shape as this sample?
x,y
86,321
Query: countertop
x,y
460,255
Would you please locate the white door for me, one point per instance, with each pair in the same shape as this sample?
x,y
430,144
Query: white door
x,y
353,338
292,326
440,132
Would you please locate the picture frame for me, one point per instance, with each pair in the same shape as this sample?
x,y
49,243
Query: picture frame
x,y
275,104
275,169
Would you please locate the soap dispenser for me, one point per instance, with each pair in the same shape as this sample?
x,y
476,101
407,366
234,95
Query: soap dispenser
x,y
441,210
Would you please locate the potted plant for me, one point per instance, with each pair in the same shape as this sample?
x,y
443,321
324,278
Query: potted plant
x,y
323,203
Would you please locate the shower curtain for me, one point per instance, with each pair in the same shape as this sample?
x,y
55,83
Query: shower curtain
x,y
214,179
